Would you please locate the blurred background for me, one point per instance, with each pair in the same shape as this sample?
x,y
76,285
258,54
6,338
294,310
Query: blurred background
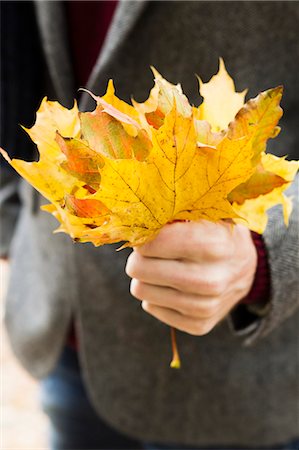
x,y
23,425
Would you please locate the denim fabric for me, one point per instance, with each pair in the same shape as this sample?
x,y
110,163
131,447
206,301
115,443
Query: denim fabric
x,y
294,445
74,424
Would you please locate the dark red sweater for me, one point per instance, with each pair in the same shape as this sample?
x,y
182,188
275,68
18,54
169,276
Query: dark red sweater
x,y
88,23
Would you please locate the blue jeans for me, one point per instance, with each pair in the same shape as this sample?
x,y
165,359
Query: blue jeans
x,y
294,445
74,424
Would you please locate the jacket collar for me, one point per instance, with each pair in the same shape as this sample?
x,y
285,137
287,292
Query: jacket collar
x,y
52,24
124,19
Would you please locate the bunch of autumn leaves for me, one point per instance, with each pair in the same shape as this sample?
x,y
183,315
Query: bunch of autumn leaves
x,y
123,171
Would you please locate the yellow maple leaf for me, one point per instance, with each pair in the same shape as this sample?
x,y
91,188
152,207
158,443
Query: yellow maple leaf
x,y
253,211
46,175
177,181
52,117
160,102
221,102
205,136
121,172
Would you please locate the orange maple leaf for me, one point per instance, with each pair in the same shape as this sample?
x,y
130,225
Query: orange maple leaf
x,y
121,172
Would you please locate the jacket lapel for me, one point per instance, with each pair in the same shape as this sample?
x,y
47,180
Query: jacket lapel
x,y
52,24
53,29
124,19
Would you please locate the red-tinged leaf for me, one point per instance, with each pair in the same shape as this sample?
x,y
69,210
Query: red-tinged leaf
x,y
258,119
156,118
118,108
107,136
205,136
81,161
181,167
89,189
119,115
161,100
88,208
260,183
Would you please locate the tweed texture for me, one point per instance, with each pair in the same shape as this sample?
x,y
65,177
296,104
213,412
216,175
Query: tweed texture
x,y
53,32
229,391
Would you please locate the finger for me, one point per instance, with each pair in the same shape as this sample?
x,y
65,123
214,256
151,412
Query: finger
x,y
180,322
156,271
187,304
193,241
206,280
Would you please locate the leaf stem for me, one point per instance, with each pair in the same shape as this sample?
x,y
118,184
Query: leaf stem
x,y
176,361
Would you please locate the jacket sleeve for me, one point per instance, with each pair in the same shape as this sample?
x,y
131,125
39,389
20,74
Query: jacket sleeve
x,y
9,209
254,322
21,91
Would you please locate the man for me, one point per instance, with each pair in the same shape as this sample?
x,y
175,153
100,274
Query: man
x,y
237,384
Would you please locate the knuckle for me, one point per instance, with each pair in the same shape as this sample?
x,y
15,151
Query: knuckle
x,y
193,309
213,285
182,281
132,265
137,288
149,249
216,287
210,309
213,307
208,239
203,327
217,249
205,310
190,281
146,306
221,250
193,240
167,237
129,265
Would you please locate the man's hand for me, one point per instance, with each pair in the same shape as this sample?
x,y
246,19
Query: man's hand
x,y
193,273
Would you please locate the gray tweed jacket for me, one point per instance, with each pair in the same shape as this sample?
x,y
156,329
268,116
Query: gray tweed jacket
x,y
238,384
